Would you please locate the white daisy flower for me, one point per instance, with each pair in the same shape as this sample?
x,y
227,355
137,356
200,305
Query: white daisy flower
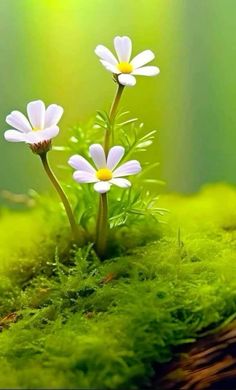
x,y
123,67
106,172
40,126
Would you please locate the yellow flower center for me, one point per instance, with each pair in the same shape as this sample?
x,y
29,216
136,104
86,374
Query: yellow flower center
x,y
104,174
35,129
125,67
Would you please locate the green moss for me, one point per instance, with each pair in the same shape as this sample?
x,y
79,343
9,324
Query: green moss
x,y
83,323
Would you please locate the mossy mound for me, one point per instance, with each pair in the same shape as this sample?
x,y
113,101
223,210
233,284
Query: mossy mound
x,y
70,321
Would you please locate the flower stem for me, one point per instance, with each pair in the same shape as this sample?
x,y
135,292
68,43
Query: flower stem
x,y
102,219
102,226
112,115
62,195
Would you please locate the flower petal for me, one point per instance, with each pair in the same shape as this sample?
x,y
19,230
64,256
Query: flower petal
x,y
129,168
84,177
147,71
102,186
34,137
80,163
52,115
14,136
105,54
49,133
18,121
127,79
112,68
142,58
114,156
123,183
123,47
36,114
98,155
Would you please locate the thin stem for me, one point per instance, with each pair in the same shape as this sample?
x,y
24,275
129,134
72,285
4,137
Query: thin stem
x,y
112,115
98,222
102,225
62,195
102,219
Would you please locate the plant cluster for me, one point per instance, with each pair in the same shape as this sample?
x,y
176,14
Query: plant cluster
x,y
110,160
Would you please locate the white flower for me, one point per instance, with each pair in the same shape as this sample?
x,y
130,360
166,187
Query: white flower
x,y
106,173
40,126
123,67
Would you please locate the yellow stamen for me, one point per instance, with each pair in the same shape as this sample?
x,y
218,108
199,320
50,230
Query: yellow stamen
x,y
104,174
35,129
125,67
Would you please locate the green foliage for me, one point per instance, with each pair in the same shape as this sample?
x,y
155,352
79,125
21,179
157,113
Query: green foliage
x,y
83,323
126,207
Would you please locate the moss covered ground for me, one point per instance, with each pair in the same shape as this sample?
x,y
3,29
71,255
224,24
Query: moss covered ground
x,y
70,321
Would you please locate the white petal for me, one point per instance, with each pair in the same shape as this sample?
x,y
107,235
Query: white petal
x,y
98,155
147,71
129,168
49,133
18,121
102,187
123,183
80,163
34,137
36,114
114,156
123,47
105,54
53,115
14,136
142,58
127,79
112,68
84,177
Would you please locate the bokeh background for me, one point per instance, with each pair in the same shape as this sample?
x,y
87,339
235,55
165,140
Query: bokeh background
x,y
47,52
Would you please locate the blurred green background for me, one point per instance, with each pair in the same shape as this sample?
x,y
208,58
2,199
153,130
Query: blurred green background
x,y
47,52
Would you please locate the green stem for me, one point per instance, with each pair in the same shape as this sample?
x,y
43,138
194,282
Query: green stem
x,y
102,219
62,195
102,226
112,114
